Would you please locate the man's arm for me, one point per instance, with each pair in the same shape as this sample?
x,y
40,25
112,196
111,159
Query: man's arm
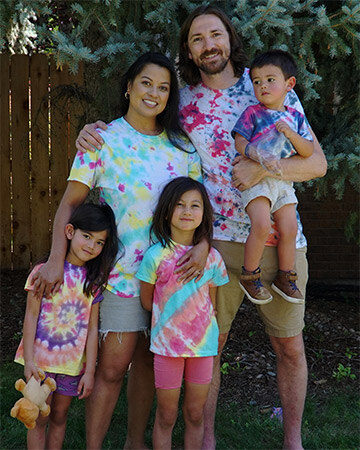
x,y
89,139
49,277
247,173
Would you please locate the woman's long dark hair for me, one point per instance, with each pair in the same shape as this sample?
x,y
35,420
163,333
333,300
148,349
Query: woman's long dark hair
x,y
93,217
168,199
169,118
188,70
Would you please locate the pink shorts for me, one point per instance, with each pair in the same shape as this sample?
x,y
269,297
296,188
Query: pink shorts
x,y
65,384
169,371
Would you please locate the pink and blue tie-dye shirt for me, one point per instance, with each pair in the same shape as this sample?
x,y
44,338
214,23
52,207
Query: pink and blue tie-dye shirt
x,y
183,319
257,120
208,116
62,327
130,171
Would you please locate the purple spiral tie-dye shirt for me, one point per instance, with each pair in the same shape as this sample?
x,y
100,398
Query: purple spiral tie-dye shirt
x,y
62,327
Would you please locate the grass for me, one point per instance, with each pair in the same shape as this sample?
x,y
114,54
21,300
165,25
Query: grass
x,y
331,423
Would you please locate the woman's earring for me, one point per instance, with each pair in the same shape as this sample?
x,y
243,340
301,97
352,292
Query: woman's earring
x,y
127,95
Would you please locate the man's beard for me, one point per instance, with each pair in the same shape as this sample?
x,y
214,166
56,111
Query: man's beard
x,y
212,68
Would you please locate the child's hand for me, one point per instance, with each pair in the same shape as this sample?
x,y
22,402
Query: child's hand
x,y
272,165
284,128
86,385
30,369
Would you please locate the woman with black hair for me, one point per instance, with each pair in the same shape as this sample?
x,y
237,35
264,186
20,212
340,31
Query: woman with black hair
x,y
143,150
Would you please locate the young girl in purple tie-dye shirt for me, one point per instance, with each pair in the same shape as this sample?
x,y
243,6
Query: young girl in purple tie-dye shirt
x,y
60,333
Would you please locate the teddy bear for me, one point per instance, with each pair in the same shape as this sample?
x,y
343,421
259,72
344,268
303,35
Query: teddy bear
x,y
27,409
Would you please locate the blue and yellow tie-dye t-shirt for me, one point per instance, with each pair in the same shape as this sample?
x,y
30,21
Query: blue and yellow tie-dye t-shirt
x,y
130,171
183,320
62,328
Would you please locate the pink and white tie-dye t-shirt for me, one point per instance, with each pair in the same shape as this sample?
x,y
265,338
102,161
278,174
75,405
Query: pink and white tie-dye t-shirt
x,y
130,171
208,116
183,319
62,326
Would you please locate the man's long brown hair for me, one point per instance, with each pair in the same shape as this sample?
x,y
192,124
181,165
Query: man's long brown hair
x,y
189,72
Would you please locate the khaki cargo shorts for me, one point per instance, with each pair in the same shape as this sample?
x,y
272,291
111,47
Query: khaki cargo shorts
x,y
281,318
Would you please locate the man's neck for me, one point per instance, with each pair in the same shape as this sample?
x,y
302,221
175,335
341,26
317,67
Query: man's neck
x,y
222,80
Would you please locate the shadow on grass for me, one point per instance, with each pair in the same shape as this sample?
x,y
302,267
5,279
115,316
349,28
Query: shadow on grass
x,y
332,423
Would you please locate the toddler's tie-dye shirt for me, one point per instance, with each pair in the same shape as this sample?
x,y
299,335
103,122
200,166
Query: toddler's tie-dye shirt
x,y
257,120
183,320
208,116
130,171
62,327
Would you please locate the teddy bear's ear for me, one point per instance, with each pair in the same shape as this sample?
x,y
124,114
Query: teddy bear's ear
x,y
20,384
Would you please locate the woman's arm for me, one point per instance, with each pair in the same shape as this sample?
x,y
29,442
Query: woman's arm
x,y
247,173
86,383
192,264
29,330
146,295
89,139
49,278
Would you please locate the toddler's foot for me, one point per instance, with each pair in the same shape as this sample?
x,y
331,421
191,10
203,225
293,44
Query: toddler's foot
x,y
251,284
285,285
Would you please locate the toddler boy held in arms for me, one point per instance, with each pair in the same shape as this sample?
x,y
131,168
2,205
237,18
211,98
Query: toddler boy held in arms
x,y
267,132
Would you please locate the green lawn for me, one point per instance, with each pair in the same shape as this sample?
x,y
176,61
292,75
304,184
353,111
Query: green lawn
x,y
331,423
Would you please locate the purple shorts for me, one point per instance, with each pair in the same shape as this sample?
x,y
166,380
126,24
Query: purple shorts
x,y
65,384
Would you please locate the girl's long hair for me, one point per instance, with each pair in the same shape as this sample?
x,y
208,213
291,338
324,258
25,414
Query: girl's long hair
x,y
169,118
168,200
188,70
92,217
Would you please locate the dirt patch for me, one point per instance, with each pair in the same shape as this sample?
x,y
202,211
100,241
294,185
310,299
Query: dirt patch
x,y
249,369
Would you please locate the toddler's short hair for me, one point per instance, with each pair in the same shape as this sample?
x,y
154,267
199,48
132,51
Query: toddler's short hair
x,y
277,58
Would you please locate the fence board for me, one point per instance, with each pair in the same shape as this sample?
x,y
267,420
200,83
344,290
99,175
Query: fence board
x,y
20,159
5,199
59,157
74,113
39,75
25,164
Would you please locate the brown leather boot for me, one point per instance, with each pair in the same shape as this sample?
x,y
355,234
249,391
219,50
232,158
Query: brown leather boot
x,y
285,285
251,284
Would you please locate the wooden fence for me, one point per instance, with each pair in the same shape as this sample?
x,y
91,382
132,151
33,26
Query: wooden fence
x,y
39,120
38,130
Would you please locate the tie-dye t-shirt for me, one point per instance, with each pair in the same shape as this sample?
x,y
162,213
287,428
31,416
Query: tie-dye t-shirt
x,y
257,120
183,320
130,171
208,116
62,326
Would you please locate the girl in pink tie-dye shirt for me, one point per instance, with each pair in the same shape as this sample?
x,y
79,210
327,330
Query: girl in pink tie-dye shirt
x,y
184,331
